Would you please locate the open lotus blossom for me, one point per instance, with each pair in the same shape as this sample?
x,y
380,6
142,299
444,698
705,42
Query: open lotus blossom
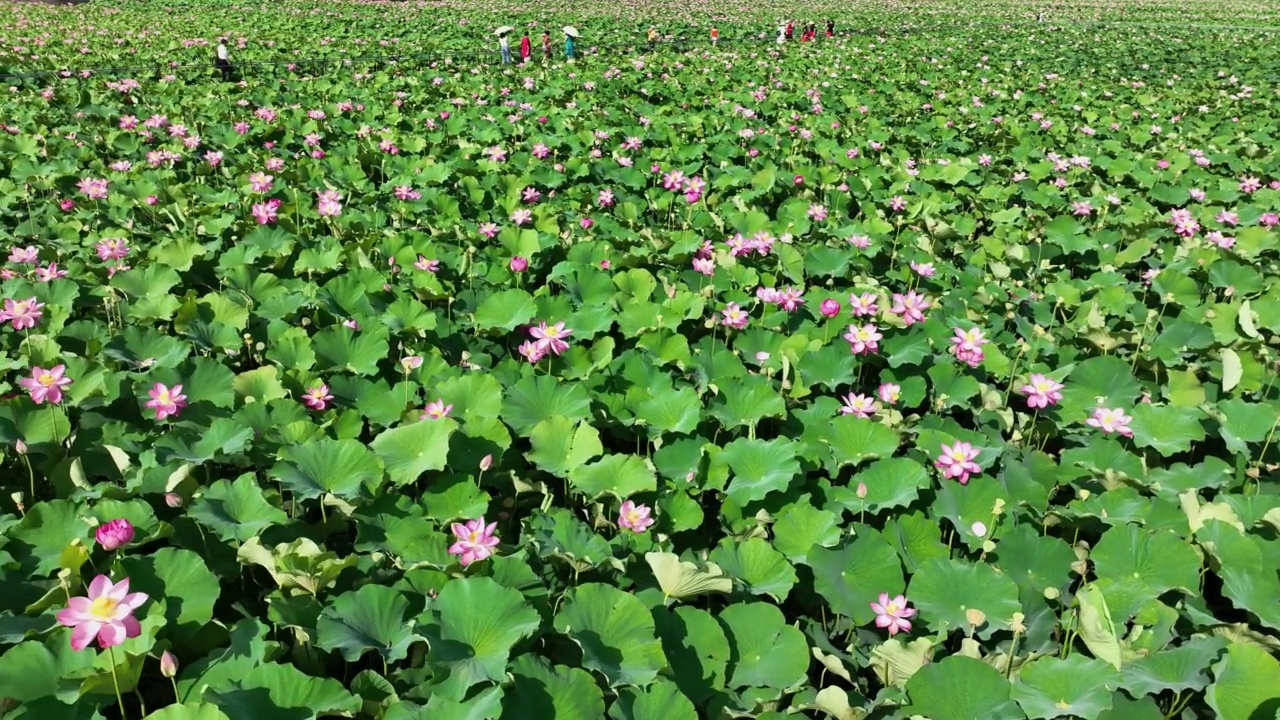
x,y
863,406
114,534
94,188
864,304
435,410
1041,391
317,397
734,317
24,255
112,249
46,384
889,393
475,540
910,306
1111,420
966,345
892,613
550,338
266,213
166,401
328,203
634,517
957,461
105,614
23,314
864,339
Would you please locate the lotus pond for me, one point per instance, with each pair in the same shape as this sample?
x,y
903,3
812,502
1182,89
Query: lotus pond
x,y
926,370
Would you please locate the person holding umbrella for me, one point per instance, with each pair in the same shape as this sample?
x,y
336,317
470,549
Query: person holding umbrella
x,y
503,46
570,35
525,48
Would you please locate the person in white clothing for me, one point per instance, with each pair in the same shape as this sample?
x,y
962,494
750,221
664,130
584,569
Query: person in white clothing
x,y
782,35
222,60
505,46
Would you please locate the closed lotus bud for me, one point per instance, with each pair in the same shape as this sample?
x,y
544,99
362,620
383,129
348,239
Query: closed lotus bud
x,y
173,500
486,462
861,492
115,534
20,446
829,308
979,528
168,664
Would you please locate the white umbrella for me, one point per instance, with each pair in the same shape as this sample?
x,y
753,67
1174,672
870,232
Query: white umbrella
x,y
571,30
503,30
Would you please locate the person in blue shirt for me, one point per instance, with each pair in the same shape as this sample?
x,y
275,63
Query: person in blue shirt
x,y
568,46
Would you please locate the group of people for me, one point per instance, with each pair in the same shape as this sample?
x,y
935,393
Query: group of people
x,y
526,45
787,32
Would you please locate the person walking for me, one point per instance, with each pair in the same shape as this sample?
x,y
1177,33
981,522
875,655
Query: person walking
x,y
526,48
715,37
569,35
222,60
653,38
505,48
546,46
791,30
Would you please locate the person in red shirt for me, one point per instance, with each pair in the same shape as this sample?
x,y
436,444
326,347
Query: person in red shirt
x,y
715,37
525,48
791,30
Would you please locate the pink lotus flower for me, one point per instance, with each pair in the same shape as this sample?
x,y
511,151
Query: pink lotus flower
x,y
734,316
489,230
889,393
265,213
863,340
521,216
168,664
957,461
166,401
925,269
50,273
897,203
327,203
966,345
817,213
892,614
24,256
1111,420
532,351
910,306
706,266
94,188
114,534
605,199
551,338
634,517
864,304
829,307
475,540
1041,391
411,362
46,384
23,314
431,266
112,249
317,398
863,406
435,410
518,264
105,614
260,182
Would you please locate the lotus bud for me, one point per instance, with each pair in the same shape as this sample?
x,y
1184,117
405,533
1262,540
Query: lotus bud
x,y
168,664
979,528
975,617
829,308
173,500
115,534
861,492
20,446
486,462
519,264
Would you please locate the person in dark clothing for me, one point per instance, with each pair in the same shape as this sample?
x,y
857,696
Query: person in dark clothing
x,y
831,28
222,60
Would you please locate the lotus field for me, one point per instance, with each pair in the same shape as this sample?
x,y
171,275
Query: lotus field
x,y
924,370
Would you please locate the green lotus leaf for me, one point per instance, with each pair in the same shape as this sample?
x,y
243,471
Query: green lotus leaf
x,y
760,568
759,467
1077,686
343,468
561,447
409,451
767,652
852,575
1246,684
943,590
236,510
372,618
542,690
960,688
471,628
615,632
183,581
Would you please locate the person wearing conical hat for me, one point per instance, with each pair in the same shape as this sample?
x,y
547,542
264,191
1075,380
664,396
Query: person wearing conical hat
x,y
568,46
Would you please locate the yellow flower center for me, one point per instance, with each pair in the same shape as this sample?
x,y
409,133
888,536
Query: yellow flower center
x,y
45,379
104,608
633,517
164,398
891,609
1042,386
473,536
